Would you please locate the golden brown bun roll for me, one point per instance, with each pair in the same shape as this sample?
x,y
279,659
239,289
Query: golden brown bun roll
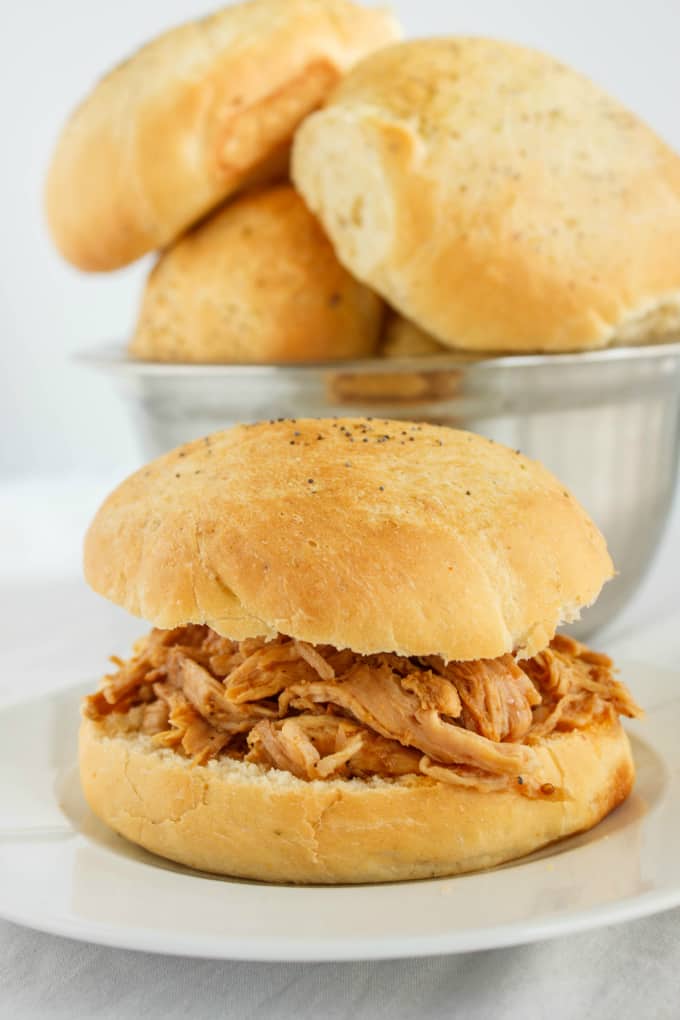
x,y
236,819
363,534
403,339
192,117
258,281
497,198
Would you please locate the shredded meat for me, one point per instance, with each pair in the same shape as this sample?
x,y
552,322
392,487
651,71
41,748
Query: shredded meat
x,y
266,671
211,701
376,696
320,746
498,697
188,728
322,713
156,717
576,685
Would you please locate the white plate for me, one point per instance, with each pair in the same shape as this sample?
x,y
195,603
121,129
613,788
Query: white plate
x,y
63,872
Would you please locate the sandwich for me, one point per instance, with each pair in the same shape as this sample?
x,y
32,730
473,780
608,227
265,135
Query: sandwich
x,y
353,673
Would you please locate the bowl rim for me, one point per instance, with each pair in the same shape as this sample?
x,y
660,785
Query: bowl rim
x,y
114,357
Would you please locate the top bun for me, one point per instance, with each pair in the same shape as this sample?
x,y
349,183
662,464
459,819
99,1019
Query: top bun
x,y
359,533
192,117
497,198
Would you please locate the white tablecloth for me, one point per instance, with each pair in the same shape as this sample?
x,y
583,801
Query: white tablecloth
x,y
55,633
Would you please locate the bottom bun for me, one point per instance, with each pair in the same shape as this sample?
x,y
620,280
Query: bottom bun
x,y
234,818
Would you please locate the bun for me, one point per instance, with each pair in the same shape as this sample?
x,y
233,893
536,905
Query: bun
x,y
496,198
256,282
364,534
234,818
194,116
403,339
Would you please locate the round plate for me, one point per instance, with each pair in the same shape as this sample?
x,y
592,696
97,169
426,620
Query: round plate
x,y
64,872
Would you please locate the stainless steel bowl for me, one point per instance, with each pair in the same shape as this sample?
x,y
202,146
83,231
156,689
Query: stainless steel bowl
x,y
606,422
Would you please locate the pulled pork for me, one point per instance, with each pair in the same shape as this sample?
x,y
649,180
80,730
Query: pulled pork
x,y
321,713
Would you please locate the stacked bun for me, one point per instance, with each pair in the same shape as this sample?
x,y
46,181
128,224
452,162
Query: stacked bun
x,y
213,297
501,200
192,118
189,123
495,199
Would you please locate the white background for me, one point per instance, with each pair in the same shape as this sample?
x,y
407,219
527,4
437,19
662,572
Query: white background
x,y
55,417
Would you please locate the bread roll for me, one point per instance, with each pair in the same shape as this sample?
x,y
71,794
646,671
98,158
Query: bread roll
x,y
364,534
403,339
236,819
258,281
497,198
192,117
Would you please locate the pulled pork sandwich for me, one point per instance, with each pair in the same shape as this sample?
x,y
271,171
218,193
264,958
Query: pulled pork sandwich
x,y
353,673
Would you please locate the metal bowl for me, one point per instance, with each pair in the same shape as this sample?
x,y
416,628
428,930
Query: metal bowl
x,y
607,423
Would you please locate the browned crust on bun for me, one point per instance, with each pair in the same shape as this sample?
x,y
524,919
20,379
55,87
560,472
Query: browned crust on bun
x,y
496,198
192,117
236,819
259,282
364,534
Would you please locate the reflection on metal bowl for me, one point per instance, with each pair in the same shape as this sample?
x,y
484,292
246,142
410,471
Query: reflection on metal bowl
x,y
607,423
